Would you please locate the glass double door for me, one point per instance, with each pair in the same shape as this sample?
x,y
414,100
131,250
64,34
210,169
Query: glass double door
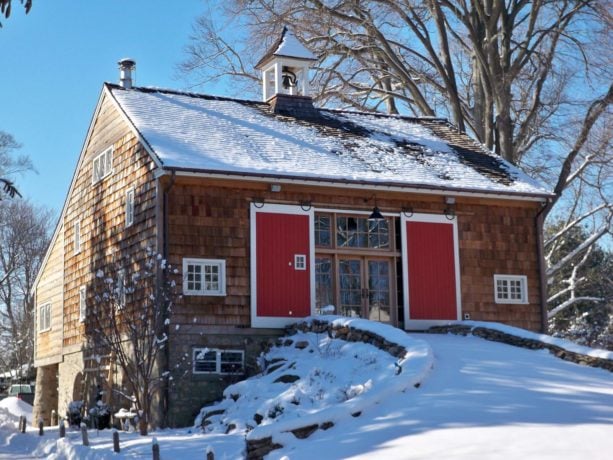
x,y
364,288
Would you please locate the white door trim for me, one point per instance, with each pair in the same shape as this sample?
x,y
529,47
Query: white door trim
x,y
273,321
432,218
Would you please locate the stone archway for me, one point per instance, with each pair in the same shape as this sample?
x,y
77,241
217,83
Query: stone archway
x,y
77,387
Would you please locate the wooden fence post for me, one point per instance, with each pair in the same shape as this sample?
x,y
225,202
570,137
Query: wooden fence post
x,y
22,423
155,449
115,441
209,454
84,434
62,429
41,431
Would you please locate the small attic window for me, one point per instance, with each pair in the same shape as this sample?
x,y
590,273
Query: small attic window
x,y
102,165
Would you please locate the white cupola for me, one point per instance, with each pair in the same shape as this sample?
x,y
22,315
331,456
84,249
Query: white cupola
x,y
285,67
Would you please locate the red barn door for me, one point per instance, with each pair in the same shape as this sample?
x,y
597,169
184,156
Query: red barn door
x,y
281,265
431,269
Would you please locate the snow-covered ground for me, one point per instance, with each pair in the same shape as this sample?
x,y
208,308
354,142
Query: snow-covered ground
x,y
480,400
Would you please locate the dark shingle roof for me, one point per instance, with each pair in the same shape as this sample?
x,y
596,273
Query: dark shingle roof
x,y
215,134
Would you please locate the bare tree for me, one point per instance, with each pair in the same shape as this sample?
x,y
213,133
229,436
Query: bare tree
x,y
528,79
10,164
5,7
24,236
129,321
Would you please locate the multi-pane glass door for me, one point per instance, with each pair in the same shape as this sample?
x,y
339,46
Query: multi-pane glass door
x,y
364,288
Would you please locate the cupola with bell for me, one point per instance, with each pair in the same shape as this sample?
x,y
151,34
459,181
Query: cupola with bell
x,y
285,67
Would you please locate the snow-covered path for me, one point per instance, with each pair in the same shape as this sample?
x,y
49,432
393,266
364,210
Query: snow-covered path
x,y
483,400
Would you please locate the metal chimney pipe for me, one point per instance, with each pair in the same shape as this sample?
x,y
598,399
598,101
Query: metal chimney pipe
x,y
126,66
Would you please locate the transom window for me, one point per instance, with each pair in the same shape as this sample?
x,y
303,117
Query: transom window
x,y
351,232
216,361
44,317
204,277
102,165
511,288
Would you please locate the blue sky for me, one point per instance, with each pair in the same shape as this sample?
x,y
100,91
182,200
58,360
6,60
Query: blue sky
x,y
53,63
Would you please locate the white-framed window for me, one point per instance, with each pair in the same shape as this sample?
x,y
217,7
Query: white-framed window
x,y
102,165
129,207
120,289
511,288
204,277
299,262
216,361
77,237
44,317
82,303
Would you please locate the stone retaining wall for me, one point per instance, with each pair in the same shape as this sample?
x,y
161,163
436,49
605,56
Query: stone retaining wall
x,y
533,344
259,448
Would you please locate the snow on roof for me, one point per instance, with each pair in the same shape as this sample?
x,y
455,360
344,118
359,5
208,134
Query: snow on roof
x,y
287,46
213,134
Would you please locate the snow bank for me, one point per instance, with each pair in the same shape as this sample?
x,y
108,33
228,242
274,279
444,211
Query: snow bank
x,y
315,379
17,407
524,334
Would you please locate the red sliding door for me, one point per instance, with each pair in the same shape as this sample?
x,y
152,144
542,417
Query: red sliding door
x,y
282,259
431,270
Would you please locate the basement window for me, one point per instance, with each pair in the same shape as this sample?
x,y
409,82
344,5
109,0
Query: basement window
x,y
216,361
204,277
44,317
511,289
102,165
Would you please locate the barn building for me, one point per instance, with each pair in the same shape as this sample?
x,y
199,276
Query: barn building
x,y
277,210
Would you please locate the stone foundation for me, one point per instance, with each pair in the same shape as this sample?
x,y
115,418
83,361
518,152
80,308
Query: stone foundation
x,y
189,392
46,394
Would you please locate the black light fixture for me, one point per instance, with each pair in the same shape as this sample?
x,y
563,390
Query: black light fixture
x,y
450,208
376,214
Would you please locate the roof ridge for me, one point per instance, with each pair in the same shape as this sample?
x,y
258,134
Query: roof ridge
x,y
155,89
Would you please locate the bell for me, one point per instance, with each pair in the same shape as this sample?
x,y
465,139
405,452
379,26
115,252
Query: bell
x,y
288,79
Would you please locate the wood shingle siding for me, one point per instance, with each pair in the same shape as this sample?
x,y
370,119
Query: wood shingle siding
x,y
210,219
50,290
100,207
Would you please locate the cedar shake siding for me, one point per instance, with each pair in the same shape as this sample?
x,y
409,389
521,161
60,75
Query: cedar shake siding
x,y
99,207
210,219
49,292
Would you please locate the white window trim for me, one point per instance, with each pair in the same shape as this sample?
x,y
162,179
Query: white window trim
x,y
82,303
300,262
218,353
41,315
120,288
220,263
129,210
523,279
102,156
77,236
